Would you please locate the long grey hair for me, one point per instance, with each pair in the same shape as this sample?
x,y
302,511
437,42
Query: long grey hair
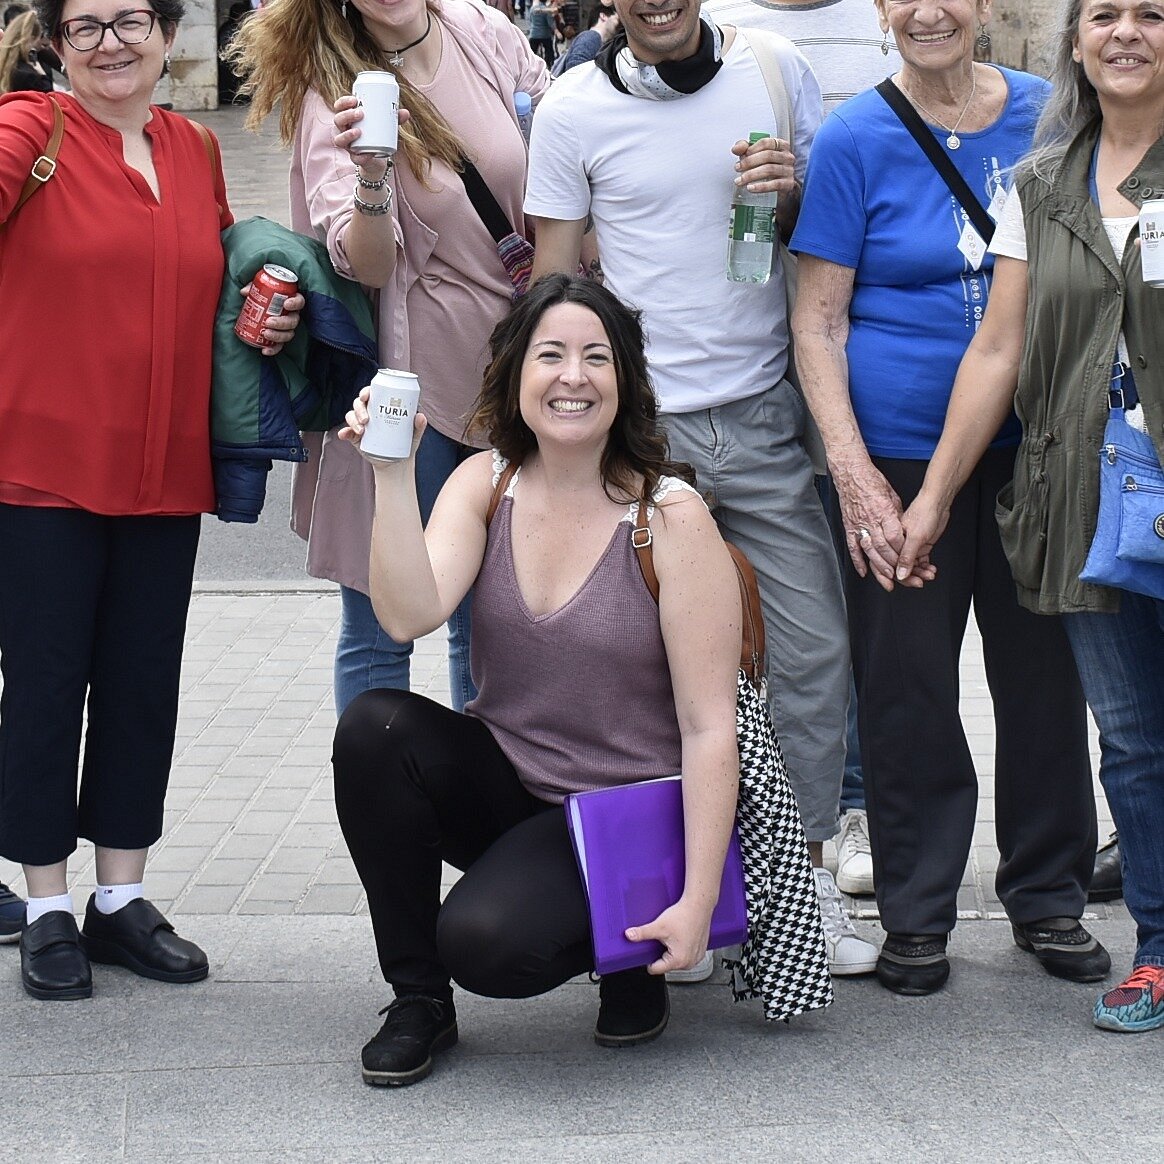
x,y
1073,102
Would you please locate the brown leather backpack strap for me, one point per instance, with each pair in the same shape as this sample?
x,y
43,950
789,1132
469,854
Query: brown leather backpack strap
x,y
499,489
641,538
46,165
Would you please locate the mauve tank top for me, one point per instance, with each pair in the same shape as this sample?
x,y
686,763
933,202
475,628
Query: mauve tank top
x,y
579,698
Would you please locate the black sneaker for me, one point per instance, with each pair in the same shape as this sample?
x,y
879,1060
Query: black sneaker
x,y
1065,948
913,964
633,1008
11,914
417,1027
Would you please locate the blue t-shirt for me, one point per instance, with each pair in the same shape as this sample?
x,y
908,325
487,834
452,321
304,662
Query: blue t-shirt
x,y
874,202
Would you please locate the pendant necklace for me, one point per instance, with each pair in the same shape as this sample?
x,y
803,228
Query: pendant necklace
x,y
953,141
396,56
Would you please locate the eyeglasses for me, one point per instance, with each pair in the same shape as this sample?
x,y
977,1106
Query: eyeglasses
x,y
85,34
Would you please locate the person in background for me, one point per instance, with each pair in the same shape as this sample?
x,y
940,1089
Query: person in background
x,y
891,292
557,594
586,45
101,491
406,227
1071,331
19,68
541,29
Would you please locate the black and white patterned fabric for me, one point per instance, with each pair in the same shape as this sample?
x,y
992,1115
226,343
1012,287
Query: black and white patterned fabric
x,y
783,961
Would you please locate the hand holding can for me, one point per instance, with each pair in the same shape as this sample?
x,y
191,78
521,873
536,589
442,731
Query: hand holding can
x,y
393,401
270,289
378,96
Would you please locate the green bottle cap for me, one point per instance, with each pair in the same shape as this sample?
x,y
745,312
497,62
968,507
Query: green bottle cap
x,y
755,137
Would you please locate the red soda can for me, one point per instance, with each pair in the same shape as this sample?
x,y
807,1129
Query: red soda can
x,y
270,289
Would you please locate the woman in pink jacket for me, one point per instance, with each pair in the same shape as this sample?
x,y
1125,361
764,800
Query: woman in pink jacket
x,y
408,232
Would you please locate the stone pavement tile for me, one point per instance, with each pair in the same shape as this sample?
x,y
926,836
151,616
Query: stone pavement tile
x,y
236,871
279,887
205,898
287,860
173,858
68,1117
331,899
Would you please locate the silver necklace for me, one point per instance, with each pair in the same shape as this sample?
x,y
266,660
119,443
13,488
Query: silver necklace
x,y
953,141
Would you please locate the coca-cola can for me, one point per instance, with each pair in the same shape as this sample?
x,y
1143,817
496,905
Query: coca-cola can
x,y
270,289
379,97
393,399
1152,242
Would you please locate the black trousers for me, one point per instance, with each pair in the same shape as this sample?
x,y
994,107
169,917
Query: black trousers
x,y
417,784
920,782
95,607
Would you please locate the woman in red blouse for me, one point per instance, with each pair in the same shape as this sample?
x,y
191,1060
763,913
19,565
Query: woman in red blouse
x,y
109,279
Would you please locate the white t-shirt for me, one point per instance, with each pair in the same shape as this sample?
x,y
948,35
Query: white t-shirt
x,y
658,177
840,38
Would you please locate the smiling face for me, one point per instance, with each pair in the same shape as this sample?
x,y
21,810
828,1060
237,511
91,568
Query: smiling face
x,y
1120,44
112,72
569,386
660,30
934,34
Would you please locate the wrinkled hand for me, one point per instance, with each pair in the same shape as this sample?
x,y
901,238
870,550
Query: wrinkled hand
x,y
765,165
278,329
356,421
874,535
924,522
683,930
348,116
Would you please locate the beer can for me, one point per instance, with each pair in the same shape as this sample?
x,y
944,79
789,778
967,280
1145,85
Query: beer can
x,y
392,404
379,97
1152,242
270,289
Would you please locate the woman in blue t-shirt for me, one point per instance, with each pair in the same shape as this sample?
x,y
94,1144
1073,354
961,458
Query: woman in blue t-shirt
x,y
894,278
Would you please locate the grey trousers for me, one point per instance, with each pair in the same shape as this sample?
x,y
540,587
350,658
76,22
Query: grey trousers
x,y
751,467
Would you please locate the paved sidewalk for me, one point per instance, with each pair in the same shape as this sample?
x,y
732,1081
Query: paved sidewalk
x,y
260,1063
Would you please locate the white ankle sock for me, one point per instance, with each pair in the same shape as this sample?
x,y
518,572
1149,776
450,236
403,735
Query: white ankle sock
x,y
110,898
39,906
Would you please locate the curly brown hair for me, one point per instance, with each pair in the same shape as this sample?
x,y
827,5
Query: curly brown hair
x,y
636,447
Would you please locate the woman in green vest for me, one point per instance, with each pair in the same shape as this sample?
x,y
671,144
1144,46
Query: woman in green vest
x,y
1074,336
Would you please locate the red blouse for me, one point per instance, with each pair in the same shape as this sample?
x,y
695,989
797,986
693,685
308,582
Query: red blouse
x,y
107,303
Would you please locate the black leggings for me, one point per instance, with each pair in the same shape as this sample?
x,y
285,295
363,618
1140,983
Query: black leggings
x,y
417,784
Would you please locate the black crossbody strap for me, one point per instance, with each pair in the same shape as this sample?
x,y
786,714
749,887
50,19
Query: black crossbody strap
x,y
900,104
484,203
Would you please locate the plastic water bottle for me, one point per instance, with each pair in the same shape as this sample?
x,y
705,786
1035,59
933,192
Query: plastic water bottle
x,y
523,107
752,233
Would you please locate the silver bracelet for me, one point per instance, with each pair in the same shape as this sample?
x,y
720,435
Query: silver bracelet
x,y
379,185
372,209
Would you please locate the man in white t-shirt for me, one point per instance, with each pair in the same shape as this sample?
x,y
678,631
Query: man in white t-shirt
x,y
650,142
841,39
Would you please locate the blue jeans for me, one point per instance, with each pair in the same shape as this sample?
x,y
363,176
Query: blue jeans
x,y
366,656
1121,664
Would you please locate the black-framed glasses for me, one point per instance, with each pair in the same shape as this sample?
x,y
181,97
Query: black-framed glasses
x,y
85,33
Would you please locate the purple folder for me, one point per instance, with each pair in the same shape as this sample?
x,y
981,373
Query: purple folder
x,y
629,844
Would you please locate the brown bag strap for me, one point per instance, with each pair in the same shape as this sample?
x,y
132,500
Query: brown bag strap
x,y
499,489
752,640
211,156
46,165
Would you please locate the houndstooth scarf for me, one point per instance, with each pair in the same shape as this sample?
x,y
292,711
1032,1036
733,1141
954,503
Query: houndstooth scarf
x,y
783,961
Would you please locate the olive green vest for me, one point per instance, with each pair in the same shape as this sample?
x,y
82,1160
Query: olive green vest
x,y
1079,295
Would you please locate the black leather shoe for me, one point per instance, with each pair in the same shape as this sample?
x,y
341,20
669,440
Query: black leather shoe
x,y
138,937
1064,947
417,1027
1107,880
52,963
633,1008
914,964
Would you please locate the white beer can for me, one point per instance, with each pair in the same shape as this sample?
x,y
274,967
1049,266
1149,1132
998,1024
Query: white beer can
x,y
392,404
379,97
1152,242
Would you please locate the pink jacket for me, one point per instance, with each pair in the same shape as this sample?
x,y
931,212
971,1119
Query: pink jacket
x,y
332,499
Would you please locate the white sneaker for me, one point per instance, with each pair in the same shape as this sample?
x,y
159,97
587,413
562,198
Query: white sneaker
x,y
700,972
848,954
854,857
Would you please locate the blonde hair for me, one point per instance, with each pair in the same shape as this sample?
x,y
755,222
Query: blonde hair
x,y
20,38
288,47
